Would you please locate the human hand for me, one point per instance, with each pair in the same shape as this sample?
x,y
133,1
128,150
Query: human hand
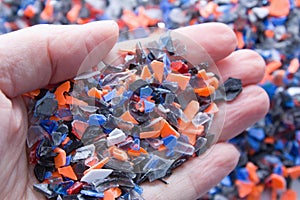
x,y
56,53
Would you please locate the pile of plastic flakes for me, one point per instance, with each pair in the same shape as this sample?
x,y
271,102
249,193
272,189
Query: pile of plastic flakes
x,y
270,149
104,133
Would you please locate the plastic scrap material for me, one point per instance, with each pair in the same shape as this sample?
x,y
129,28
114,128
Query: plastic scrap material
x,y
122,134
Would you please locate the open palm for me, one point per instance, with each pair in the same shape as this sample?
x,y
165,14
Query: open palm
x,y
38,56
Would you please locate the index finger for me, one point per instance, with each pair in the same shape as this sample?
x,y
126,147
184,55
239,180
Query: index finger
x,y
37,56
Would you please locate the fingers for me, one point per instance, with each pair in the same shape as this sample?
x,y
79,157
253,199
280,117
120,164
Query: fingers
x,y
196,177
249,107
34,57
216,38
246,65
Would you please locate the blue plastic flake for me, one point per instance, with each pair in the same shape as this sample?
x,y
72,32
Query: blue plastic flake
x,y
97,119
49,125
170,142
145,92
255,144
92,193
257,133
138,189
109,96
149,106
62,187
68,160
226,181
242,174
136,144
278,169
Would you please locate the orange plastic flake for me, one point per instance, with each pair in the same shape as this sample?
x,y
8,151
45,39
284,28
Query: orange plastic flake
x,y
67,172
133,152
277,182
59,92
256,192
158,70
149,134
65,141
294,172
191,109
208,9
60,159
272,66
240,39
117,192
94,92
126,116
32,94
191,129
269,33
109,195
47,13
146,74
251,168
297,3
213,81
112,193
289,195
269,140
244,188
29,11
294,65
168,130
279,8
119,154
191,137
202,74
180,79
205,92
74,101
99,165
72,15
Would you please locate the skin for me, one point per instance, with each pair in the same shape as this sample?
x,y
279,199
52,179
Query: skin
x,y
35,57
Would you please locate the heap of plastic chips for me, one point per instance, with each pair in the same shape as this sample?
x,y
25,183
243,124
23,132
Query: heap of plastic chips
x,y
105,132
270,27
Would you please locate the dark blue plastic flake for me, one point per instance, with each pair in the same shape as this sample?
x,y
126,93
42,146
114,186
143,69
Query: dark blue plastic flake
x,y
145,92
92,193
257,133
278,169
242,174
49,125
97,119
62,187
255,144
170,141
